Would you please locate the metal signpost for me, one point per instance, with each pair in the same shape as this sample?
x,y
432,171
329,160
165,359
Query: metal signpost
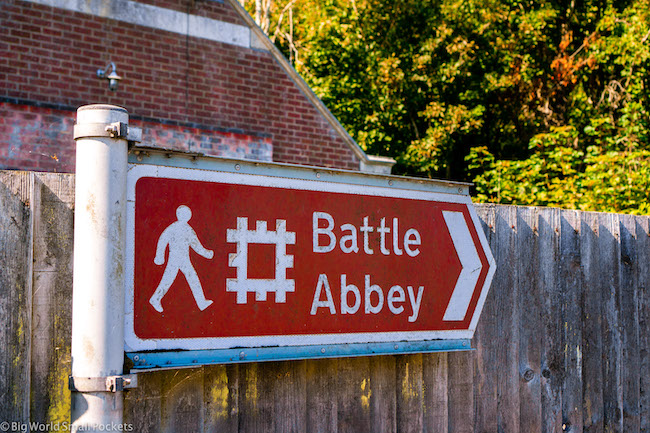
x,y
97,379
231,261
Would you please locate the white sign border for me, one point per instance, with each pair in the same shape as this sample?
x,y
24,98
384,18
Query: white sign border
x,y
133,343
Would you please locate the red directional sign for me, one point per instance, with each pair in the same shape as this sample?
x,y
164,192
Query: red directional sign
x,y
221,260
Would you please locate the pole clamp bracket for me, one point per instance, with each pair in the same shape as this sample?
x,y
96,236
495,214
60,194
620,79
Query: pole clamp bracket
x,y
102,384
117,130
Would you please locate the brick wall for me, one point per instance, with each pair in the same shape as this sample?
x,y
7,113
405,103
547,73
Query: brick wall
x,y
40,139
209,142
49,56
36,138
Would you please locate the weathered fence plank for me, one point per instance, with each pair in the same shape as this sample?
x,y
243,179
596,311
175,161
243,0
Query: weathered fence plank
x,y
643,275
353,397
629,303
552,356
592,344
571,284
142,405
507,341
182,400
52,202
288,393
15,305
609,256
255,401
530,322
460,387
436,403
485,379
410,398
322,395
384,410
220,398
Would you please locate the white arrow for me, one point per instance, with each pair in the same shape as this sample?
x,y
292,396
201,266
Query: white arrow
x,y
470,261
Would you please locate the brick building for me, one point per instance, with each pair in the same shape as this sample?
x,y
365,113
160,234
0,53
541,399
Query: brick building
x,y
197,75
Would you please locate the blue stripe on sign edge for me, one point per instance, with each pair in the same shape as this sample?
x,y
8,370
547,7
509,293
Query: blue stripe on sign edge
x,y
193,358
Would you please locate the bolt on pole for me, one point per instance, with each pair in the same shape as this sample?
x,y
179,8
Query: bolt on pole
x,y
99,250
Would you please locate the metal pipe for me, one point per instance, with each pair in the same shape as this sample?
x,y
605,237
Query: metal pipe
x,y
99,248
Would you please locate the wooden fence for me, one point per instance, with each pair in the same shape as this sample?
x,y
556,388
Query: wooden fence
x,y
562,345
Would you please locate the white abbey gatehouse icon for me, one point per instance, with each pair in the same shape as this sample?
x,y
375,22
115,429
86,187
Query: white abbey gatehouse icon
x,y
179,236
242,285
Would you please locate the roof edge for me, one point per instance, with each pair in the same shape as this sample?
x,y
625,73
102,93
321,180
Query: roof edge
x,y
367,163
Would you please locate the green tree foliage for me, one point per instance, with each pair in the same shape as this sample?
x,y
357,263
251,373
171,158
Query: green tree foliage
x,y
595,155
536,102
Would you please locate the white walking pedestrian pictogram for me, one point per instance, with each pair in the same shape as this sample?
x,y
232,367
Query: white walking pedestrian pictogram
x,y
179,237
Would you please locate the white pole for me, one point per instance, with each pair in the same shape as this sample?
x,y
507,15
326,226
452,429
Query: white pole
x,y
99,247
